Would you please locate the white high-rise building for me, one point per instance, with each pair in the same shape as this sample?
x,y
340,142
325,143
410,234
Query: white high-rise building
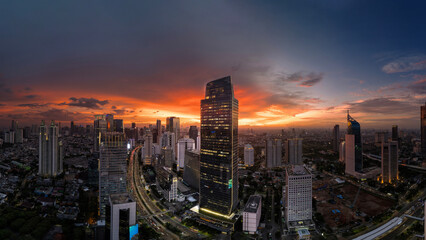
x,y
251,214
298,196
342,152
389,161
168,139
350,154
121,209
183,145
293,151
50,151
273,153
248,155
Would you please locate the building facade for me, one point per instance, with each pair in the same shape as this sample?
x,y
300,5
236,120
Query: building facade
x,y
120,217
50,151
219,149
354,128
183,145
389,161
336,138
251,214
248,155
273,153
423,129
293,151
191,172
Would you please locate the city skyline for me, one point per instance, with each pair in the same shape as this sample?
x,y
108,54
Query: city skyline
x,y
303,65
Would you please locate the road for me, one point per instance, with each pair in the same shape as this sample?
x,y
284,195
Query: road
x,y
149,206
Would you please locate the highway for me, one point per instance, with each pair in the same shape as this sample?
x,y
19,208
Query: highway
x,y
150,208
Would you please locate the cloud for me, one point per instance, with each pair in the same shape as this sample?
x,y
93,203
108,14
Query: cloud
x,y
303,79
33,105
384,105
32,96
90,103
406,64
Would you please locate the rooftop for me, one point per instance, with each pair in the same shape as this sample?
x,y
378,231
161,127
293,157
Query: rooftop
x,y
119,198
253,203
297,170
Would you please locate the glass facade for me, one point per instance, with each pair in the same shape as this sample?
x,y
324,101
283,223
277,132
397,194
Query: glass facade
x,y
219,149
355,129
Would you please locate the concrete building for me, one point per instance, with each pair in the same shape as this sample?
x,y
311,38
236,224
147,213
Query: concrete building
x,y
298,197
168,139
173,125
423,129
293,151
191,172
389,161
148,148
380,137
120,217
167,183
251,214
342,152
183,145
350,154
193,133
112,167
50,161
336,138
248,155
273,153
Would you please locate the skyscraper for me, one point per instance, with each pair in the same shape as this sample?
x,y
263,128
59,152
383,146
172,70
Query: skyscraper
x,y
342,152
159,131
293,151
72,128
350,154
183,145
112,167
336,138
298,196
120,217
173,125
100,127
219,149
423,129
248,155
50,151
191,172
355,129
395,134
168,140
273,153
389,161
193,133
148,148
118,125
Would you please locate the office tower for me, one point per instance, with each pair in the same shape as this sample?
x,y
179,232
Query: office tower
x,y
183,145
355,129
157,133
110,122
50,151
133,125
350,154
34,130
298,195
173,125
168,140
423,129
118,125
191,172
158,125
395,134
273,153
251,214
198,145
19,135
219,149
248,155
147,148
380,137
120,217
390,161
168,155
100,128
167,183
293,151
193,133
72,128
112,167
336,138
14,125
342,152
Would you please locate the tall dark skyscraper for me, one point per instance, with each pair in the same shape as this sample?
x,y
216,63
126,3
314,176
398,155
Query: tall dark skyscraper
x,y
173,125
395,134
193,133
336,138
219,149
423,128
355,129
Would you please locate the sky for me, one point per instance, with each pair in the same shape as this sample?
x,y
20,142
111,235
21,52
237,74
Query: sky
x,y
293,63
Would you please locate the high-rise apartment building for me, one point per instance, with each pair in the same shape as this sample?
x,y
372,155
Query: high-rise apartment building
x,y
298,196
191,172
252,213
112,167
100,128
354,128
389,161
273,153
219,149
248,155
148,148
120,217
118,125
293,151
168,139
173,125
395,133
342,152
336,138
193,133
423,129
350,154
183,145
50,151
